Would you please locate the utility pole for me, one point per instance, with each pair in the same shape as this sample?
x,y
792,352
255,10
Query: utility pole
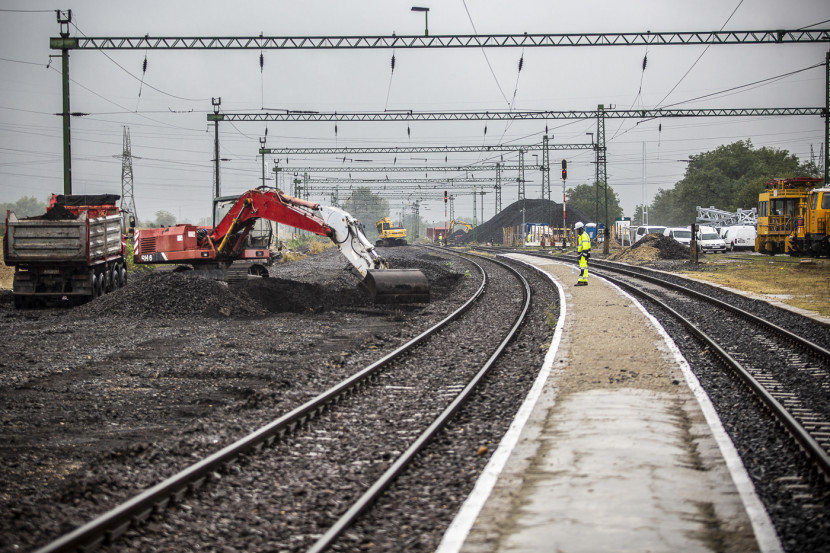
x,y
564,203
827,118
547,193
216,189
67,149
262,149
602,176
498,190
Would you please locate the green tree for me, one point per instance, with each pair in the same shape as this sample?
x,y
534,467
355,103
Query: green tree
x,y
728,178
27,206
163,219
368,208
584,197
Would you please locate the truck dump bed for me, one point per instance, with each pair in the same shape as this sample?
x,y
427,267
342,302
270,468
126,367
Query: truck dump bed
x,y
54,241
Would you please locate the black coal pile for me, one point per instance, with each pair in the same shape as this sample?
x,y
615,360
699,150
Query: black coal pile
x,y
174,294
536,211
653,247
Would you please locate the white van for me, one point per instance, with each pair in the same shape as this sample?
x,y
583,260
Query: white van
x,y
681,234
708,241
643,230
739,237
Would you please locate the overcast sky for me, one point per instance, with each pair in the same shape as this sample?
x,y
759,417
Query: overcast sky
x,y
172,143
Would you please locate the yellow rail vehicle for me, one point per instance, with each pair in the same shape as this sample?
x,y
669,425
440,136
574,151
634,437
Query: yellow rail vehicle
x,y
793,217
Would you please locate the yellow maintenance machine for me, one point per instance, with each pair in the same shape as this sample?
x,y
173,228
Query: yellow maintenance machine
x,y
793,217
390,235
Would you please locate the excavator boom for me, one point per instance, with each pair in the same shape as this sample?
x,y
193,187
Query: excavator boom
x,y
198,246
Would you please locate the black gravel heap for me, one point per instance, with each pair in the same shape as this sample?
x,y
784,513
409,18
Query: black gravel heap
x,y
536,211
667,248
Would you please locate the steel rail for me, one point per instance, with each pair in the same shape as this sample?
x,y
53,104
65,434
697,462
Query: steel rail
x,y
807,443
112,524
795,338
386,479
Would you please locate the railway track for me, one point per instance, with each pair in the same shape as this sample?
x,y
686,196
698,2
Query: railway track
x,y
773,396
326,478
786,372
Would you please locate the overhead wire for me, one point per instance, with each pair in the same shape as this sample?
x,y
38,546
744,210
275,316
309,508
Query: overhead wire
x,y
700,56
125,70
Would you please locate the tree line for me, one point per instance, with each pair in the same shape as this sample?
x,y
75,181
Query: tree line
x,y
728,178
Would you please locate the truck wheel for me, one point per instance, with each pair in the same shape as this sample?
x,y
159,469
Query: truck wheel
x,y
96,285
123,276
112,277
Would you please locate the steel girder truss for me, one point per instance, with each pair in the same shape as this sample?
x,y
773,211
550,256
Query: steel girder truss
x,y
406,169
510,115
523,40
721,218
422,149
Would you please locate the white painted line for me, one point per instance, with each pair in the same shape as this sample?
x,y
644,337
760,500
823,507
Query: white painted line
x,y
762,526
460,527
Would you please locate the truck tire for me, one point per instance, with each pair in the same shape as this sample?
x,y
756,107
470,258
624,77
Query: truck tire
x,y
123,275
96,284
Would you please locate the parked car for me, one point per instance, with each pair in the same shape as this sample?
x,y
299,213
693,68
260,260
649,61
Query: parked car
x,y
681,234
708,241
643,230
739,237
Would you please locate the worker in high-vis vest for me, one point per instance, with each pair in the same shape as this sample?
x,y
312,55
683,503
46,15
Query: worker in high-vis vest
x,y
583,248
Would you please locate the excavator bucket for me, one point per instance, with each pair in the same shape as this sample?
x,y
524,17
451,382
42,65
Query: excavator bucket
x,y
397,286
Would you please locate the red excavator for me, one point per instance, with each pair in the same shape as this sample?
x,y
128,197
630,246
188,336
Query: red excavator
x,y
216,249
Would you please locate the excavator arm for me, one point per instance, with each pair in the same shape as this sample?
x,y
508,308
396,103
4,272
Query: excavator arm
x,y
274,205
201,247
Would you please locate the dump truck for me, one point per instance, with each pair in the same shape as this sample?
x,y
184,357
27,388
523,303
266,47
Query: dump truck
x,y
76,250
389,235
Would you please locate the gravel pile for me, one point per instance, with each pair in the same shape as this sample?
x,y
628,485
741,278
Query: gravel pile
x,y
652,247
536,211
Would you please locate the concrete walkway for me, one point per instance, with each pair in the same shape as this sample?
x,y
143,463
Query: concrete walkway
x,y
620,450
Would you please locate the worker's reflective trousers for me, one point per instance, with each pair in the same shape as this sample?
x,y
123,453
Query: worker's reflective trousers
x,y
583,268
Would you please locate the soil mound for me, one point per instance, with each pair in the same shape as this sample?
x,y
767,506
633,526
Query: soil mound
x,y
652,247
535,211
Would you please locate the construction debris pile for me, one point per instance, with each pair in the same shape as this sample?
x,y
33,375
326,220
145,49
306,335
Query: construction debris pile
x,y
653,247
535,211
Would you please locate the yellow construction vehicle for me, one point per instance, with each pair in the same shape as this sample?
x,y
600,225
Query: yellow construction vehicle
x,y
389,235
793,217
468,226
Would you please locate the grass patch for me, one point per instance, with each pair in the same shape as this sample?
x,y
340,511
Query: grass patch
x,y
799,282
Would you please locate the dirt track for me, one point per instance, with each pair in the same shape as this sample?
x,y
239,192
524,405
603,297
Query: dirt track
x,y
169,353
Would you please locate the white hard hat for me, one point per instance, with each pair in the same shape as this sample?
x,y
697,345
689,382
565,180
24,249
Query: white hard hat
x,y
578,225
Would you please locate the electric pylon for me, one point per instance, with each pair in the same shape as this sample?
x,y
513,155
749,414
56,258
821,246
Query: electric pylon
x,y
127,196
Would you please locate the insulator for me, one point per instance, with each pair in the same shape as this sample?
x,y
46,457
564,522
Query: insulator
x,y
660,127
393,63
335,130
261,61
266,131
407,131
521,63
144,66
645,61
